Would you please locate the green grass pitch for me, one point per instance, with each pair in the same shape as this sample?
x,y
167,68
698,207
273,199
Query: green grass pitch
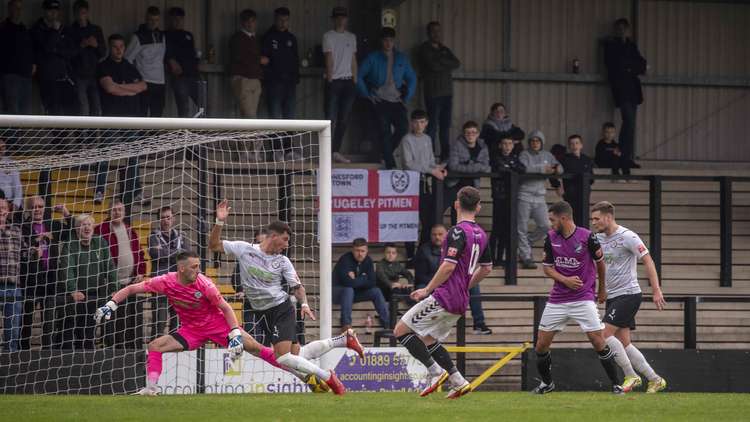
x,y
360,407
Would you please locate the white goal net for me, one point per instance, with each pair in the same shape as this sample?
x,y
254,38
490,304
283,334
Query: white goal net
x,y
93,204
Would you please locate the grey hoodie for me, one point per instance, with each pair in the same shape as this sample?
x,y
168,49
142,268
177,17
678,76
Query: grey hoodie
x,y
533,190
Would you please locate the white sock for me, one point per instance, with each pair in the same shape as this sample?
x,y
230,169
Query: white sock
x,y
435,369
621,358
640,363
303,365
317,348
456,379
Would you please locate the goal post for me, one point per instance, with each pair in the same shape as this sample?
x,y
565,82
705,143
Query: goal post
x,y
262,165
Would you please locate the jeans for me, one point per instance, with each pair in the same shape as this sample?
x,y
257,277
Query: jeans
x,y
152,100
477,314
627,131
393,127
185,89
348,296
12,300
339,99
281,99
89,103
16,91
439,111
538,212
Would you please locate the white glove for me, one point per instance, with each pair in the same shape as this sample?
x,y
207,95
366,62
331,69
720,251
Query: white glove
x,y
105,312
235,343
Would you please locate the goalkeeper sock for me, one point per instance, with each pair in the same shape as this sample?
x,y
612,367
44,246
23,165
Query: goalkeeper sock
x,y
303,365
544,366
607,358
620,356
442,357
153,368
416,348
317,348
640,363
266,353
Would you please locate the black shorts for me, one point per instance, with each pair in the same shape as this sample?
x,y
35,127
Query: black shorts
x,y
275,325
620,311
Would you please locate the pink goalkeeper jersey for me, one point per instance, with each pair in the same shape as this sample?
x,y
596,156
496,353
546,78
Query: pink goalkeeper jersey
x,y
196,303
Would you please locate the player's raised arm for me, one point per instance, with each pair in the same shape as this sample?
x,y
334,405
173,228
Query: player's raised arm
x,y
214,239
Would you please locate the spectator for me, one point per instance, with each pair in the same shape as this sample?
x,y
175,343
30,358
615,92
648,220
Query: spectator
x,y
354,281
90,277
18,66
146,51
130,266
505,162
245,65
54,49
558,151
608,154
576,163
247,312
436,62
387,79
415,153
182,62
42,238
497,127
392,276
11,294
10,181
469,154
121,85
91,50
340,49
531,197
624,64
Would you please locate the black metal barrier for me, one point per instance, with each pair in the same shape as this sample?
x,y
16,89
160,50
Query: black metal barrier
x,y
512,181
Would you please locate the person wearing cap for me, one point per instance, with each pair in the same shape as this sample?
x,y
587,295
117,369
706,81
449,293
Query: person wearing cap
x,y
91,50
182,62
18,66
146,51
53,51
340,49
388,80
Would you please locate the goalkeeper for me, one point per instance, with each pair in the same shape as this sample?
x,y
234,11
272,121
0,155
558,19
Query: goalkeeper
x,y
203,312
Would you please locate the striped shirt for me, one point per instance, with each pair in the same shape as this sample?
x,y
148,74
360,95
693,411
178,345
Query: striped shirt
x,y
10,254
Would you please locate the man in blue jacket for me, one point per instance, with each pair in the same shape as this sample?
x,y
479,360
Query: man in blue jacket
x,y
354,281
388,80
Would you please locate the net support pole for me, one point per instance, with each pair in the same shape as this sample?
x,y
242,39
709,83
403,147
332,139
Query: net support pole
x,y
325,230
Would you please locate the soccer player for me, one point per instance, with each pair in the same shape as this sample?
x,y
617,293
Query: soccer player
x,y
622,249
264,272
465,261
203,312
572,258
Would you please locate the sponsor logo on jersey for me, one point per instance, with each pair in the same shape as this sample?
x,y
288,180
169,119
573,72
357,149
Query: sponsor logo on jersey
x,y
197,294
452,252
567,262
578,248
641,248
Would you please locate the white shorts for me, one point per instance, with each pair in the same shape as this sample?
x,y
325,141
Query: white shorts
x,y
557,315
428,318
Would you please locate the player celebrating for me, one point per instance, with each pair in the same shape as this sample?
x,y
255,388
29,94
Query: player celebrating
x,y
445,298
569,256
622,249
263,272
203,312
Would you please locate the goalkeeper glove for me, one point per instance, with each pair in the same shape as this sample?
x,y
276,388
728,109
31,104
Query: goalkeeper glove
x,y
235,342
105,312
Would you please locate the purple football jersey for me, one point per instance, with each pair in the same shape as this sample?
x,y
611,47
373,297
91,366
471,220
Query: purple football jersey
x,y
573,256
466,246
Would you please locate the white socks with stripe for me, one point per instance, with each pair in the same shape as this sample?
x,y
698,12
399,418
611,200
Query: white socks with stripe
x,y
621,358
303,365
318,348
640,363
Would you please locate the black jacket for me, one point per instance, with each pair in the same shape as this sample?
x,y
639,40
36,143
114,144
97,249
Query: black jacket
x,y
492,137
281,49
38,280
53,51
426,263
605,155
574,165
624,64
181,48
505,164
85,62
364,272
16,49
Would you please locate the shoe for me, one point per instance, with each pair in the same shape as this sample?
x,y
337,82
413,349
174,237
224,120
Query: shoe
x,y
316,384
435,383
528,264
543,388
146,391
459,391
656,386
339,158
617,390
98,198
336,386
630,383
482,329
353,343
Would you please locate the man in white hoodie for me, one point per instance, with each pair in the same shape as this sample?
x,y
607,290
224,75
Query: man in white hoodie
x,y
531,192
146,51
